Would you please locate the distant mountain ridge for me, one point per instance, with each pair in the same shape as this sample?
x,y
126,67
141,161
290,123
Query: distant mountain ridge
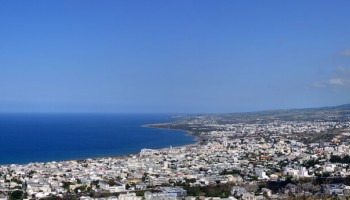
x,y
343,107
327,113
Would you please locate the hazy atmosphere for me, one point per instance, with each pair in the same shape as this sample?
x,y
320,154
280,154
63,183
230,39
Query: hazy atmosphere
x,y
173,56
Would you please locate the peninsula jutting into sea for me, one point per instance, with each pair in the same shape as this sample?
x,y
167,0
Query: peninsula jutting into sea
x,y
280,154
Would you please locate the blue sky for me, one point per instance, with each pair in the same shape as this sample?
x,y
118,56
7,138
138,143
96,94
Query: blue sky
x,y
173,56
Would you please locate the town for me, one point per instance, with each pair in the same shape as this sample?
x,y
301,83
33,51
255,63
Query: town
x,y
273,155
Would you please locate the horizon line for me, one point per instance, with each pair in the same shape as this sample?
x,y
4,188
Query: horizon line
x,y
172,113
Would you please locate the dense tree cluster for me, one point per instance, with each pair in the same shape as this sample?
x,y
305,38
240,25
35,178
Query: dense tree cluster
x,y
338,159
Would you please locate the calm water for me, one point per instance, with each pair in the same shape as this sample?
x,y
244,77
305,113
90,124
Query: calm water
x,y
53,137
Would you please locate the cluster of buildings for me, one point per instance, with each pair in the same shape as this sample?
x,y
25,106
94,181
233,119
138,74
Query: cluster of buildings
x,y
237,156
276,127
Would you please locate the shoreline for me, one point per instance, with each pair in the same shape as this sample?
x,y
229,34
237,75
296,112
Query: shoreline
x,y
188,133
122,155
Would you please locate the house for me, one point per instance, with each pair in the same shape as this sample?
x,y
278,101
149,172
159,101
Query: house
x,y
238,191
114,189
248,196
129,196
334,189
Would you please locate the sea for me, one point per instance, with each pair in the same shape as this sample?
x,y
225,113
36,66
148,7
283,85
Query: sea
x,y
45,137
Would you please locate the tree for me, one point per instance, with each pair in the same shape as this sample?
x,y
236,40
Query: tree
x,y
111,182
144,177
335,159
81,189
17,194
66,185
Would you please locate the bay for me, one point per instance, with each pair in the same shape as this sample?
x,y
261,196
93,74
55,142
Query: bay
x,y
28,137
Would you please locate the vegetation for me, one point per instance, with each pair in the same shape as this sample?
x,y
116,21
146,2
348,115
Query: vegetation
x,y
220,190
112,182
231,171
66,185
17,194
80,189
338,159
311,163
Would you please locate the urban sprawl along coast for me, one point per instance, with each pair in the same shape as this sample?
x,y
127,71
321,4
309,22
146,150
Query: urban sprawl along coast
x,y
284,154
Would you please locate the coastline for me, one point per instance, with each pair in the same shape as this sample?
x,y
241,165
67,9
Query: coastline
x,y
196,141
188,133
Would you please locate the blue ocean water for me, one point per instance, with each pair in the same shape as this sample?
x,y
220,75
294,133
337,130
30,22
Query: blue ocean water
x,y
28,138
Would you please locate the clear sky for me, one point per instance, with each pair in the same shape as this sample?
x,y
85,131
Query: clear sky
x,y
178,56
